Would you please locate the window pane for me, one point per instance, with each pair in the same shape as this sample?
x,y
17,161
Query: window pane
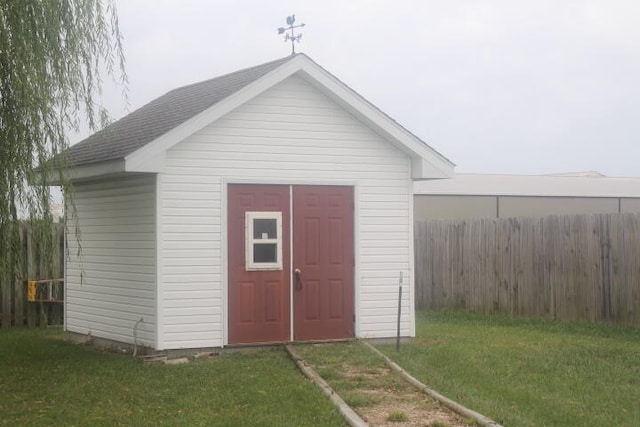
x,y
265,252
265,228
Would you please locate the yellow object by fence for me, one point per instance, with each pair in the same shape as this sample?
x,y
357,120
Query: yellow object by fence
x,y
32,290
47,290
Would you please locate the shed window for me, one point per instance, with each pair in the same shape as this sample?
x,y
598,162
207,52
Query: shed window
x,y
263,238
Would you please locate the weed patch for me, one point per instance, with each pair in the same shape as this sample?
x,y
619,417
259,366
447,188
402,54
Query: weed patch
x,y
397,417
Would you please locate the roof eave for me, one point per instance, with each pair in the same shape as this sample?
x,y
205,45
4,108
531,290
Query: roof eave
x,y
427,163
89,171
146,158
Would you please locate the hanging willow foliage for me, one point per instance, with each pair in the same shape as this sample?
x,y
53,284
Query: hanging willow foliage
x,y
52,54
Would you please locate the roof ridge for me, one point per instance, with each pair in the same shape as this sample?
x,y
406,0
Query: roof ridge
x,y
240,71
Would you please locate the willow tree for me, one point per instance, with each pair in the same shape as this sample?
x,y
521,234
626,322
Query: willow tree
x,y
52,56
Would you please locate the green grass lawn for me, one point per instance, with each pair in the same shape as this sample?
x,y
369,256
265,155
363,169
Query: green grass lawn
x,y
523,372
46,381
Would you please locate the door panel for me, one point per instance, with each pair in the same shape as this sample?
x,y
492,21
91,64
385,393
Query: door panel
x,y
324,253
258,300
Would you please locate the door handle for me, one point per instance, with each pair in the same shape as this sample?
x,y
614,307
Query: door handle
x,y
299,282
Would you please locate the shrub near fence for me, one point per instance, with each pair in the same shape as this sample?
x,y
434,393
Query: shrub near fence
x,y
15,309
581,267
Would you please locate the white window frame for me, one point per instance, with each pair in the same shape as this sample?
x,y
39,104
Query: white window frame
x,y
250,263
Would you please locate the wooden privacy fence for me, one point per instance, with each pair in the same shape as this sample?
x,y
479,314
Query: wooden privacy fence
x,y
15,307
581,267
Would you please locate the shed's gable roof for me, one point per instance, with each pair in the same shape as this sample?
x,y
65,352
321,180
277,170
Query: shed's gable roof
x,y
138,142
159,116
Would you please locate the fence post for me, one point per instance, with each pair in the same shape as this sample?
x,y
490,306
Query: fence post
x,y
5,288
399,312
30,274
19,287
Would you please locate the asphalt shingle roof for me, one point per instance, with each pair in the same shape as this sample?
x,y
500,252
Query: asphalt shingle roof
x,y
159,116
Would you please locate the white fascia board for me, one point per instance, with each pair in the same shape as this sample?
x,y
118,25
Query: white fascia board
x,y
152,162
426,162
150,158
89,171
422,169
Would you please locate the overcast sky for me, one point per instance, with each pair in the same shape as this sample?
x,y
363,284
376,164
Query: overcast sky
x,y
510,86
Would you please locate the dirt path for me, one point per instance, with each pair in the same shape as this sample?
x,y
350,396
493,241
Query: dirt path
x,y
395,403
378,394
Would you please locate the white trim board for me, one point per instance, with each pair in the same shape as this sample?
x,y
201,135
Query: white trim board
x,y
426,162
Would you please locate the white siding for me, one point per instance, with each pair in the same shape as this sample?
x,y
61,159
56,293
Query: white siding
x,y
290,134
112,284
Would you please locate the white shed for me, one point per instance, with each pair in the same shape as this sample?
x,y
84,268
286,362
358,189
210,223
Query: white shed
x,y
267,205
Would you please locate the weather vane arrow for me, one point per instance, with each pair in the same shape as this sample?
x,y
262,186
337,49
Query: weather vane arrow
x,y
291,37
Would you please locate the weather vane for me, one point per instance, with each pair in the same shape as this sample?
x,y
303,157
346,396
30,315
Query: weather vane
x,y
293,37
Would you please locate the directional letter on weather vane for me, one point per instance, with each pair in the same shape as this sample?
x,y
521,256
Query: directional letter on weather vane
x,y
293,37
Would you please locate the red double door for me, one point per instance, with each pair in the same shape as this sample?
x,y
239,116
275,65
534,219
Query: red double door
x,y
291,258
